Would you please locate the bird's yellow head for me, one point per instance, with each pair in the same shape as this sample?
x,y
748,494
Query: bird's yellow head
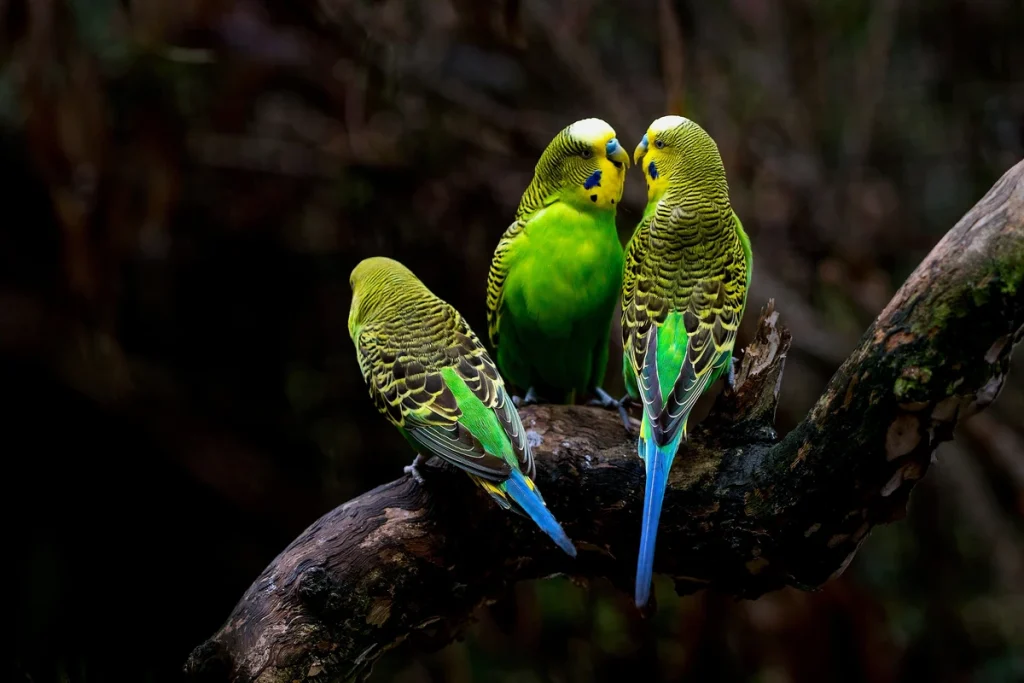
x,y
375,283
584,165
675,150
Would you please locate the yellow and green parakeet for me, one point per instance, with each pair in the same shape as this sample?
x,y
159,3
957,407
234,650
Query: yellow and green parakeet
x,y
556,274
684,291
431,377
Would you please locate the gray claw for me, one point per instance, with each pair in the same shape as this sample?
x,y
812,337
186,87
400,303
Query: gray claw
x,y
413,469
606,401
730,376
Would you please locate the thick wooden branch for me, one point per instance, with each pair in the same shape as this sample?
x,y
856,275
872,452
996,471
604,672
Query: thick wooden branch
x,y
747,512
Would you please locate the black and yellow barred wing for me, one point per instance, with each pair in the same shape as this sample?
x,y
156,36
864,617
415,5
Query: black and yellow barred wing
x,y
496,276
683,296
405,367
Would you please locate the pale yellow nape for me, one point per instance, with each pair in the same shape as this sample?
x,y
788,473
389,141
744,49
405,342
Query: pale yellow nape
x,y
597,133
370,274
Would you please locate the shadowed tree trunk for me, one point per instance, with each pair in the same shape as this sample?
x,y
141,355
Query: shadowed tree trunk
x,y
747,512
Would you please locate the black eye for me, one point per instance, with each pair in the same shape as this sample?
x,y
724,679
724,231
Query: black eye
x,y
660,144
586,154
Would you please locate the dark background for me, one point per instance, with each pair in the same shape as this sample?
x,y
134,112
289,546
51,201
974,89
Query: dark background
x,y
187,184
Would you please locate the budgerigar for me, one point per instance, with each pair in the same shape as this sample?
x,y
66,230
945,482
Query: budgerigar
x,y
431,377
684,291
556,274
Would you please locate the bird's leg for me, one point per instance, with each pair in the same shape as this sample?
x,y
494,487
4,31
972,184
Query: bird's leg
x,y
605,400
531,397
413,469
730,375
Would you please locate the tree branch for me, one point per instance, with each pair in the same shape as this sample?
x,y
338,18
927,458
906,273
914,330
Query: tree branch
x,y
746,513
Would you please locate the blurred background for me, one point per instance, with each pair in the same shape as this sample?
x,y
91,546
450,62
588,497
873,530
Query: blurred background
x,y
187,184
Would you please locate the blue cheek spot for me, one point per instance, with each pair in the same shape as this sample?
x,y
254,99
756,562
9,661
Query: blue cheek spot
x,y
593,181
652,171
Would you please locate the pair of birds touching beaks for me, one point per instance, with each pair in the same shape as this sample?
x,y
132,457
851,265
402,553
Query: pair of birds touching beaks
x,y
557,274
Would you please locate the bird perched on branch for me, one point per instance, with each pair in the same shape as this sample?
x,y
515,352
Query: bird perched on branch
x,y
684,291
431,377
556,274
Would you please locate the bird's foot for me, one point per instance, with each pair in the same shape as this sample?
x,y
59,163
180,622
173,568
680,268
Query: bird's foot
x,y
414,470
528,400
605,400
532,397
730,375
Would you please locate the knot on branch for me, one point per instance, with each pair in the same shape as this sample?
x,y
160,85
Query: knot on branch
x,y
320,593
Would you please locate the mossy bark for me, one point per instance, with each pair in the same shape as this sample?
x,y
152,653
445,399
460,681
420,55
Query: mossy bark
x,y
746,512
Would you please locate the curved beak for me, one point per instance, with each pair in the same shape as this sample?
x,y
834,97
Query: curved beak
x,y
640,150
615,153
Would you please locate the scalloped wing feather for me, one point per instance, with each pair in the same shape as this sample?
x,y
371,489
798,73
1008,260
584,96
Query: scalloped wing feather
x,y
496,276
409,388
711,306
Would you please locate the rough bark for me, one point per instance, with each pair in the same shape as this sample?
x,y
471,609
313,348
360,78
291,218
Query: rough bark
x,y
747,512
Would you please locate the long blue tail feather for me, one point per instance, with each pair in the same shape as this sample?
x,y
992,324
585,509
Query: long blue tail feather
x,y
659,462
527,498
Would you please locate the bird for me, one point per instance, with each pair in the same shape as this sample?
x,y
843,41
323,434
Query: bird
x,y
684,291
556,274
431,377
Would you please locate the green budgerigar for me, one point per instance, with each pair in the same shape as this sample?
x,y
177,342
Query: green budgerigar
x,y
684,291
556,274
431,377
